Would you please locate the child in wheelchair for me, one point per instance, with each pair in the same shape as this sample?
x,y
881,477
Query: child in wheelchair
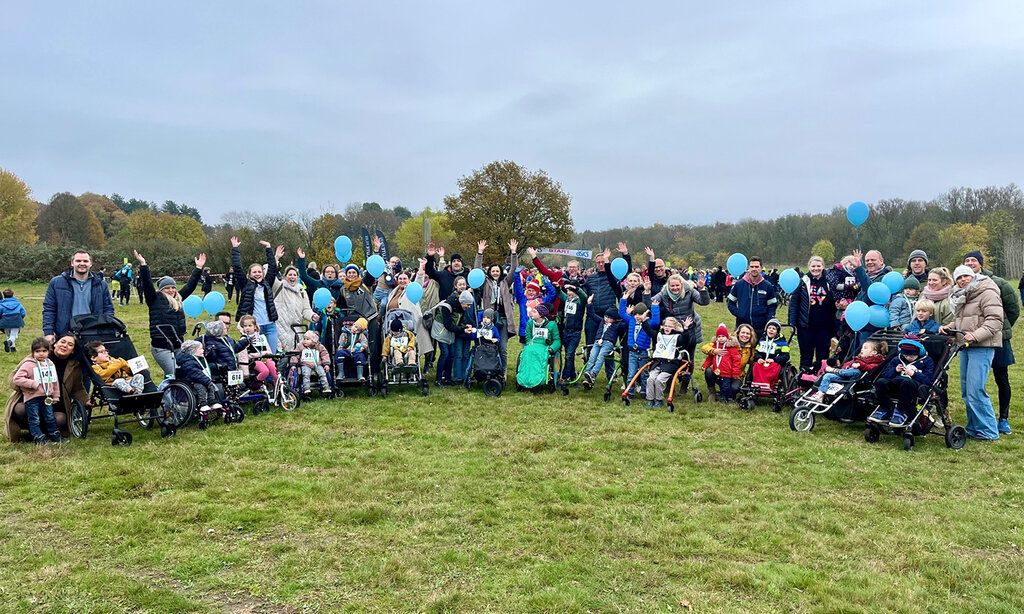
x,y
194,370
771,354
114,371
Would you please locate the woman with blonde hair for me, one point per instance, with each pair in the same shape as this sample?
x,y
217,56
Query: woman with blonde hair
x,y
812,309
938,290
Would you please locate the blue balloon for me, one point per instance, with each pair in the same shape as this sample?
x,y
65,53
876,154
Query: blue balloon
x,y
857,213
321,297
858,314
737,264
414,292
789,280
192,306
214,303
476,278
879,293
375,265
619,267
879,316
893,281
343,249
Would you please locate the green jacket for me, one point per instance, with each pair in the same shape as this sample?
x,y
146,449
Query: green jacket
x,y
1011,306
551,340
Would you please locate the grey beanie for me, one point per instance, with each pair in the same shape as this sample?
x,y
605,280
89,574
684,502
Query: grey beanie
x,y
164,282
466,298
917,253
189,347
215,328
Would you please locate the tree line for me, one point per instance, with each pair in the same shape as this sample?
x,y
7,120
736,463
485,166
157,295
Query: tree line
x,y
500,200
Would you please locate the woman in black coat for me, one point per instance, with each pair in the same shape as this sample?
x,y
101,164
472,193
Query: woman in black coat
x,y
256,290
166,316
812,309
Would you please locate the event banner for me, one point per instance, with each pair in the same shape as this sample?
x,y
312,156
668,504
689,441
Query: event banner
x,y
586,254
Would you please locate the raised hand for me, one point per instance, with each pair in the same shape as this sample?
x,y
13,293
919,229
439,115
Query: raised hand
x,y
200,261
279,252
622,249
607,255
687,322
138,256
301,253
649,252
629,310
481,245
532,252
375,241
235,242
265,244
700,282
857,256
647,284
513,244
440,252
423,262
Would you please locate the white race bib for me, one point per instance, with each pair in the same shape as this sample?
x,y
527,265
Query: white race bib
x,y
540,333
834,388
138,364
487,334
400,342
260,344
234,378
45,374
570,309
666,347
310,356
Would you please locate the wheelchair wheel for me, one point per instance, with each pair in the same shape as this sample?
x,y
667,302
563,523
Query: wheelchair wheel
x,y
801,420
956,437
492,388
178,403
80,415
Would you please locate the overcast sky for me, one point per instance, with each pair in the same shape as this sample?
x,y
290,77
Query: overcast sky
x,y
655,111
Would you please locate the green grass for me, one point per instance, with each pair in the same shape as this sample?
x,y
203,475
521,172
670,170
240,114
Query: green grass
x,y
529,503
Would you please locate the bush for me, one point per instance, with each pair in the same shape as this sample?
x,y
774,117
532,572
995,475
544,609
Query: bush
x,y
41,262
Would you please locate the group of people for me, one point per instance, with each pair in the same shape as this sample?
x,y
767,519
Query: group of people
x,y
648,315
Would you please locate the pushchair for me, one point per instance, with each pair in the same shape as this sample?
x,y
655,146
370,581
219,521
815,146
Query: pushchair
x,y
391,374
485,366
171,407
751,392
932,414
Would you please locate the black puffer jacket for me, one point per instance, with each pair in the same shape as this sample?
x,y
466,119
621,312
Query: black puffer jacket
x,y
166,326
190,369
221,352
445,278
248,286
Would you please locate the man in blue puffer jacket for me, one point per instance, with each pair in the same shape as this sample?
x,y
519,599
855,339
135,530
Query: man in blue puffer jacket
x,y
753,299
74,292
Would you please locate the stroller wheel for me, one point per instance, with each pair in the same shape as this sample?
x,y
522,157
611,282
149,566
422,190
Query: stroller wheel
x,y
145,418
79,419
746,404
167,431
801,420
956,437
871,434
908,442
698,396
121,438
607,396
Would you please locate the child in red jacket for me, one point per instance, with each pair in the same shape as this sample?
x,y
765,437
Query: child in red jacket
x,y
722,366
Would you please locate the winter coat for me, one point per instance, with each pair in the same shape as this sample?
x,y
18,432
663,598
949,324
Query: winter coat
x,y
71,389
360,300
485,295
727,365
753,304
112,369
12,313
25,380
60,297
605,289
842,284
207,281
410,342
980,312
1011,307
322,354
547,297
682,307
776,349
248,287
190,369
900,312
445,278
574,321
221,352
636,337
924,365
928,326
293,308
865,364
800,302
612,332
664,341
166,326
315,283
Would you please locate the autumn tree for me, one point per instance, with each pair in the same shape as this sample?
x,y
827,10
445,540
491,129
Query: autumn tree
x,y
957,239
146,225
502,201
825,250
17,210
65,221
112,218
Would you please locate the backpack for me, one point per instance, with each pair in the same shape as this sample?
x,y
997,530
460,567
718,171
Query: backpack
x,y
437,330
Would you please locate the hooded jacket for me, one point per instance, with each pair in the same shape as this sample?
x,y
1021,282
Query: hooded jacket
x,y
12,313
727,365
979,311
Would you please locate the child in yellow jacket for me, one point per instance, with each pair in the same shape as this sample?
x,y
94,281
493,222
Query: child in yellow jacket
x,y
114,371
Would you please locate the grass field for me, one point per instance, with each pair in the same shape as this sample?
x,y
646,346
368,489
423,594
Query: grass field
x,y
525,503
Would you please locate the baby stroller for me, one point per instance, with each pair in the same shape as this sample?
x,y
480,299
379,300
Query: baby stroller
x,y
392,374
680,378
751,392
485,366
171,408
932,414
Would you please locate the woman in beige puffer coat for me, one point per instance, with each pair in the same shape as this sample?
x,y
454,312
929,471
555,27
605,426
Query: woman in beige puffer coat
x,y
292,304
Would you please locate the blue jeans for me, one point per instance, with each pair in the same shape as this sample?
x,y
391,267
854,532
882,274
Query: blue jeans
x,y
571,342
460,361
446,355
270,330
830,378
598,356
637,358
974,367
33,409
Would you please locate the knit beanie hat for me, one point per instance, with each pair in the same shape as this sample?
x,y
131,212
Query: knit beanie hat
x,y
489,314
911,345
466,298
164,282
396,325
917,253
533,285
612,313
311,335
351,266
542,310
975,254
362,323
215,328
911,283
722,330
962,270
640,308
455,257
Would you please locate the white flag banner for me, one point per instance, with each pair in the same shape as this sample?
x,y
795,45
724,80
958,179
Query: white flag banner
x,y
585,254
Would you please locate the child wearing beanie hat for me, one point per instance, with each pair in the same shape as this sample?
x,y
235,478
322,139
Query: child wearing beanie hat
x,y
612,330
900,381
722,366
193,370
400,344
352,349
543,341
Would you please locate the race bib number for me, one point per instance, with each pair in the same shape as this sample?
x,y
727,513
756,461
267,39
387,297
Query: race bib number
x,y
45,374
666,346
310,356
260,345
570,309
234,378
138,364
834,388
488,335
540,333
400,342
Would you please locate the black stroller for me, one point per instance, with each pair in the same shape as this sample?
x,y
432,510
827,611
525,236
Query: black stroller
x,y
485,366
171,407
